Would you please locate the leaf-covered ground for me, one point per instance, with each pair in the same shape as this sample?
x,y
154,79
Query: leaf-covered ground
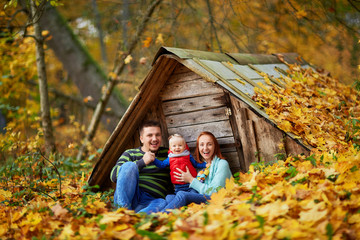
x,y
302,197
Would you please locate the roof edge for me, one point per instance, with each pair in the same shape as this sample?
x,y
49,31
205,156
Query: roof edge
x,y
234,58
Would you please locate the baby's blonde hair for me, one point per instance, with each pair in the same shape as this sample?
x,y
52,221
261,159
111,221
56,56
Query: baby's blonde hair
x,y
176,136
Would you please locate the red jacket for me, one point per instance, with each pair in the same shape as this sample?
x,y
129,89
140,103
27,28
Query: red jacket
x,y
180,162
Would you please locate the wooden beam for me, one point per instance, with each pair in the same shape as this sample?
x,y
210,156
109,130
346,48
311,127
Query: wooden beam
x,y
246,133
133,117
193,104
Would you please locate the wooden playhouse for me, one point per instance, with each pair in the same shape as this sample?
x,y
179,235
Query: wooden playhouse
x,y
191,91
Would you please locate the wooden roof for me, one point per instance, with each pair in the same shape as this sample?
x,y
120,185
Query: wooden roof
x,y
237,73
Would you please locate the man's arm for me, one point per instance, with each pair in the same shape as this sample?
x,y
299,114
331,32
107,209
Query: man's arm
x,y
132,155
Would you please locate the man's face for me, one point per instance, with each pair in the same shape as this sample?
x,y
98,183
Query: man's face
x,y
151,139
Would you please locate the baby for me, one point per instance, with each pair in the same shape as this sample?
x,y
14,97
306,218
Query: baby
x,y
179,157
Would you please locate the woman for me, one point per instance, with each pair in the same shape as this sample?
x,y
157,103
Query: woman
x,y
209,180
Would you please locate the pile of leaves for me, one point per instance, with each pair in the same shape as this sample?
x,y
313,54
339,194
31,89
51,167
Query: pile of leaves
x,y
302,197
317,108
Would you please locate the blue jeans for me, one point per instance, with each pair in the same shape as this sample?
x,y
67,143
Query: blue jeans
x,y
184,198
129,195
184,187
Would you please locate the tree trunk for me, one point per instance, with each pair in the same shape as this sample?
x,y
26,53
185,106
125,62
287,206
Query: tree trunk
x,y
111,83
81,67
43,86
100,31
125,18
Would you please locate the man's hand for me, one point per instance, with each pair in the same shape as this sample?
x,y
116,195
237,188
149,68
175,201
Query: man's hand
x,y
149,157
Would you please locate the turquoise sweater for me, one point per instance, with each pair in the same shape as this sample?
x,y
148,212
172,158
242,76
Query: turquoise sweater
x,y
218,173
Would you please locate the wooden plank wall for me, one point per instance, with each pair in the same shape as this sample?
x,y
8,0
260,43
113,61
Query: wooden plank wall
x,y
260,140
191,105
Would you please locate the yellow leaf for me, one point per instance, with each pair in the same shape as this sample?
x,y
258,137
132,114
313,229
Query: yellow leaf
x,y
301,14
126,234
87,233
128,59
18,214
218,197
314,214
67,232
112,75
3,229
159,39
4,195
354,218
111,217
44,33
273,210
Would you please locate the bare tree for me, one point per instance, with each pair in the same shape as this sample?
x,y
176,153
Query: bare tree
x,y
118,69
100,31
35,15
212,24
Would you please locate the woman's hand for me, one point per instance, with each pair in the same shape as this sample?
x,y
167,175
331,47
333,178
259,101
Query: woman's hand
x,y
182,176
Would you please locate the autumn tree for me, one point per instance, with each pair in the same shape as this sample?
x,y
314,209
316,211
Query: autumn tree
x,y
121,62
36,9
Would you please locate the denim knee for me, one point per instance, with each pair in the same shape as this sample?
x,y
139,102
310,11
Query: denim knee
x,y
128,169
130,166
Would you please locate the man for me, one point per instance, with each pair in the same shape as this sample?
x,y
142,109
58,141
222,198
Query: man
x,y
140,185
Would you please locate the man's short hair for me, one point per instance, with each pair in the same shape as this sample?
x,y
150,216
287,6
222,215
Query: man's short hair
x,y
149,123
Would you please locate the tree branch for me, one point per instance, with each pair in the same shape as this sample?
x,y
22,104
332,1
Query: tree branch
x,y
212,24
111,83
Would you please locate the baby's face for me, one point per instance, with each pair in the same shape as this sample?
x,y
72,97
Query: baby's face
x,y
177,145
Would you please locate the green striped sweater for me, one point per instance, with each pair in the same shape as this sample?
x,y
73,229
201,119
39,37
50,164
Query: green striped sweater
x,y
152,179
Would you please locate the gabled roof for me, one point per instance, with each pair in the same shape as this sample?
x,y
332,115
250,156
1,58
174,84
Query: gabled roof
x,y
239,73
235,72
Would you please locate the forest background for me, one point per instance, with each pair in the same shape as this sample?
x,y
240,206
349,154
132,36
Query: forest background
x,y
106,34
324,33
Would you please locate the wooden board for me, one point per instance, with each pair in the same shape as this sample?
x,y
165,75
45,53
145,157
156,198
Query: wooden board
x,y
223,142
180,69
193,104
246,133
268,140
198,117
233,160
180,90
184,77
155,112
293,148
190,133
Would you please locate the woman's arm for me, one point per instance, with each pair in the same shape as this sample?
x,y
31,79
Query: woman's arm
x,y
216,180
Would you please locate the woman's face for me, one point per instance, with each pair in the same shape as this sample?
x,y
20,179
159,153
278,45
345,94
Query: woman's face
x,y
206,147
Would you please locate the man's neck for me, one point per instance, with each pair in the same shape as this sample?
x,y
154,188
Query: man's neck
x,y
148,150
144,149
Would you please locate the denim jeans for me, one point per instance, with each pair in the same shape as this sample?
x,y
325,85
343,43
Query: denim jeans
x,y
128,194
183,198
184,187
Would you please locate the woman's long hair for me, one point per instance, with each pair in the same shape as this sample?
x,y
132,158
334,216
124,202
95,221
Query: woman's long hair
x,y
217,151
